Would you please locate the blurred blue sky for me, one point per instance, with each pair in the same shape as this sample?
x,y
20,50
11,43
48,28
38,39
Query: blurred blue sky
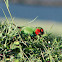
x,y
53,13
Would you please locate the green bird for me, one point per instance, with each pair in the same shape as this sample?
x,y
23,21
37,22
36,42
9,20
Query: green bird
x,y
30,32
33,31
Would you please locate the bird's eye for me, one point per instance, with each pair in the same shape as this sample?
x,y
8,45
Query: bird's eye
x,y
41,30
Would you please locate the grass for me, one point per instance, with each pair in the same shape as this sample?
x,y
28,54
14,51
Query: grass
x,y
16,46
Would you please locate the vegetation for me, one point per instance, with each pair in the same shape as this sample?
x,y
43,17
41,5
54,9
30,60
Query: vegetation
x,y
16,46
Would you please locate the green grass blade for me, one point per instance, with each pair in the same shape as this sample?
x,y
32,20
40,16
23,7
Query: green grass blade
x,y
4,14
8,10
7,3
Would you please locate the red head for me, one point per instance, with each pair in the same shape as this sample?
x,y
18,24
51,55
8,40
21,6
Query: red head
x,y
39,31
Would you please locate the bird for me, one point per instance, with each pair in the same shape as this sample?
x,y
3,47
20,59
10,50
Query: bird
x,y
30,31
33,31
